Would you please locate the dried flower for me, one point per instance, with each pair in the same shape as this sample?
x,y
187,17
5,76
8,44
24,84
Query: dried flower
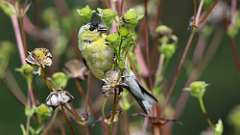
x,y
40,57
112,80
76,69
59,97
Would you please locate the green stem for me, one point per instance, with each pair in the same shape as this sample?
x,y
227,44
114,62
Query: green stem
x,y
28,125
204,110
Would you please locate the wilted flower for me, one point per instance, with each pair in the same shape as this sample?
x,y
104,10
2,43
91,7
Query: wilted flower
x,y
112,80
59,97
76,69
40,57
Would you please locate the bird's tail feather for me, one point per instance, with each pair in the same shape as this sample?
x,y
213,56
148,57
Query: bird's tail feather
x,y
145,99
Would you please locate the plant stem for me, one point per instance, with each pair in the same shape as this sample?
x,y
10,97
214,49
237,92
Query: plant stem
x,y
204,18
18,38
179,66
67,121
28,125
202,106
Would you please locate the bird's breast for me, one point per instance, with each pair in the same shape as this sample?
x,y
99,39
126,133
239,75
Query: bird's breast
x,y
99,58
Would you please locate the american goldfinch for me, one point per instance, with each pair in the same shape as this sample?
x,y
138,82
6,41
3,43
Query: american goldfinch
x,y
99,57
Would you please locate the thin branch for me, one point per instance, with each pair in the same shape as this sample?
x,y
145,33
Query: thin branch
x,y
13,88
177,71
204,18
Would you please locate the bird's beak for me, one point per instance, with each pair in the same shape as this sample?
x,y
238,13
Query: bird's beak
x,y
102,28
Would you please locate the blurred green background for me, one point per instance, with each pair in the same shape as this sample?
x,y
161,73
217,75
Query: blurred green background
x,y
222,94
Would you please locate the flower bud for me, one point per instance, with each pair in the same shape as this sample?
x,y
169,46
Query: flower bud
x,y
197,88
113,38
27,71
218,130
108,16
44,111
167,50
59,80
163,30
131,17
85,13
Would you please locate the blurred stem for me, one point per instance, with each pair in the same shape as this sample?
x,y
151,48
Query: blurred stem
x,y
13,87
159,70
198,69
179,66
18,38
31,94
50,123
146,42
67,120
204,17
28,125
203,108
79,88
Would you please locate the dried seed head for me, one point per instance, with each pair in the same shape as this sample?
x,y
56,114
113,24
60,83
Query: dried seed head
x,y
40,57
59,97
